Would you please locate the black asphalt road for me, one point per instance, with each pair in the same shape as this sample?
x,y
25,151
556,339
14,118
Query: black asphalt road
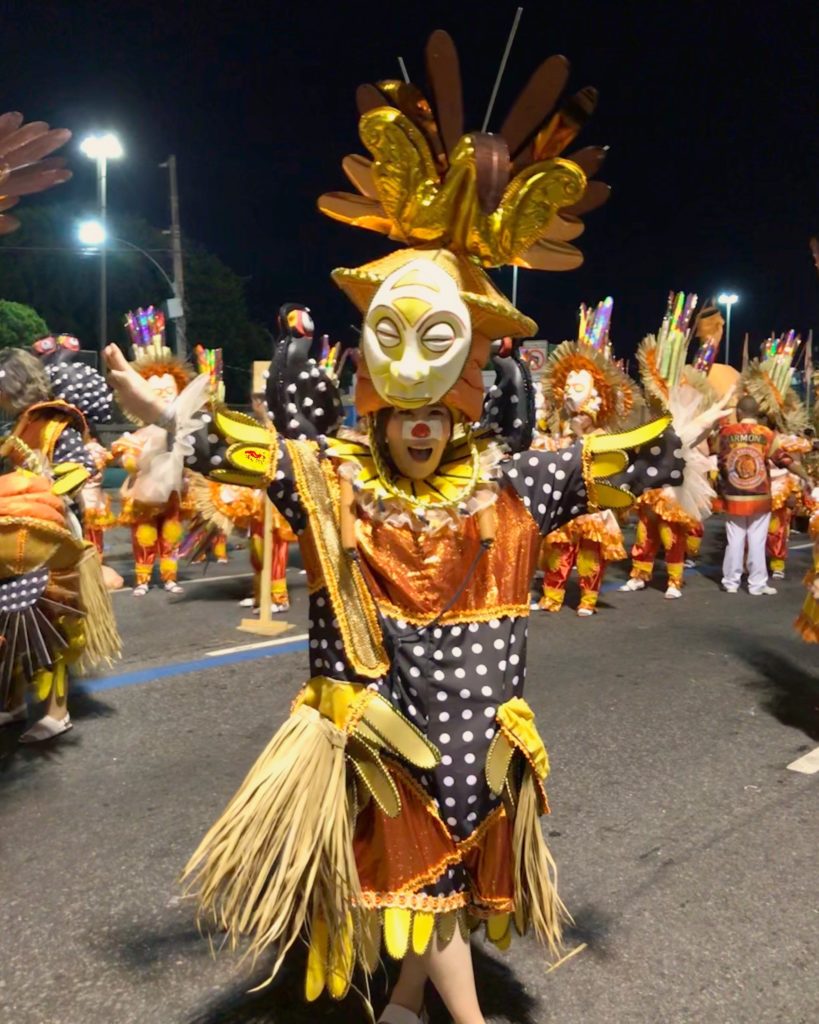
x,y
687,850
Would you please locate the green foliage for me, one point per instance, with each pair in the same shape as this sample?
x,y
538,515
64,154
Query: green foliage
x,y
20,325
42,264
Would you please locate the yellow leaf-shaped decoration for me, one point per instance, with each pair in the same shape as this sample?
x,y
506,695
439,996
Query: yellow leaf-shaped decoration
x,y
423,925
341,961
497,762
397,923
627,439
445,925
68,476
370,939
316,960
606,496
239,427
497,927
608,463
400,734
369,768
251,458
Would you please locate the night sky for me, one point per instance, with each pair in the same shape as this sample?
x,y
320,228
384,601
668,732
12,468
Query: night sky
x,y
710,110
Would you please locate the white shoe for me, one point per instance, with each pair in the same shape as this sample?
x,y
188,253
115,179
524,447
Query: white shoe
x,y
584,613
763,592
395,1014
778,575
730,589
17,714
672,593
141,590
247,602
46,729
632,585
276,609
172,587
690,563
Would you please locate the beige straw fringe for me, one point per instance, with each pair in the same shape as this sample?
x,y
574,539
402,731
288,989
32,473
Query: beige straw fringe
x,y
281,854
536,897
102,640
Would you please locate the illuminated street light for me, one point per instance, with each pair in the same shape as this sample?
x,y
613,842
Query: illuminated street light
x,y
728,299
102,148
91,233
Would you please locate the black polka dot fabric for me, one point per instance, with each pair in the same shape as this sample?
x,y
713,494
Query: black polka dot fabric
x,y
282,492
550,484
82,387
653,465
70,447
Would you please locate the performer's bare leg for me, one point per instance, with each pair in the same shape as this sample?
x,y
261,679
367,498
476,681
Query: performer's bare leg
x,y
449,968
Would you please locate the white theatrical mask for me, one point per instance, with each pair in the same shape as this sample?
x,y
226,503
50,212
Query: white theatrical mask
x,y
417,335
580,394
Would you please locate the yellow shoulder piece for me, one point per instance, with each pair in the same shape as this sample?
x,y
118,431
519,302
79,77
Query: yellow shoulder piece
x,y
598,443
238,426
252,459
68,477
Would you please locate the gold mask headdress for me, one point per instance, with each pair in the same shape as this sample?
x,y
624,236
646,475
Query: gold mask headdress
x,y
463,203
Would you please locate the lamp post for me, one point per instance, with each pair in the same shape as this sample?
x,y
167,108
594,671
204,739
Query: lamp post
x,y
92,234
728,300
102,148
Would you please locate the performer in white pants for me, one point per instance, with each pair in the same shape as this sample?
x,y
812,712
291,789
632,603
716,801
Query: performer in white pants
x,y
745,450
749,532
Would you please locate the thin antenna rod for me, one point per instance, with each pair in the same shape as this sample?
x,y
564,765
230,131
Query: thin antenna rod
x,y
404,71
502,68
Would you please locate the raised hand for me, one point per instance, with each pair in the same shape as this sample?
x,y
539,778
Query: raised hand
x,y
134,394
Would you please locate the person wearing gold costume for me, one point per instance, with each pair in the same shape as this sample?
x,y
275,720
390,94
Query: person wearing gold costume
x,y
667,516
400,800
594,394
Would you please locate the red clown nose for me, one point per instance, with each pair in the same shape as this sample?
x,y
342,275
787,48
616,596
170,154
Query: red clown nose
x,y
421,430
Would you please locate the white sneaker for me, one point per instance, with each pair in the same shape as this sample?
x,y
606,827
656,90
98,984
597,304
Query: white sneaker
x,y
730,589
141,590
672,593
763,592
172,587
778,575
632,585
690,563
584,613
246,602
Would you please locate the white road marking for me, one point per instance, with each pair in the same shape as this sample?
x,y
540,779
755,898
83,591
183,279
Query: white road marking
x,y
806,765
198,580
257,646
800,547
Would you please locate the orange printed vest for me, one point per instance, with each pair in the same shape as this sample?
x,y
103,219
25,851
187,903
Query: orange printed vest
x,y
745,480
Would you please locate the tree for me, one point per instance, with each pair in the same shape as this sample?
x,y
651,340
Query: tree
x,y
20,325
42,264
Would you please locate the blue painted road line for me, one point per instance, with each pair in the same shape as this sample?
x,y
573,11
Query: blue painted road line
x,y
178,668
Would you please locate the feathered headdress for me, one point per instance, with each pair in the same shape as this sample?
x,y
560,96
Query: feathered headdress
x,y
467,201
661,357
152,357
768,381
610,396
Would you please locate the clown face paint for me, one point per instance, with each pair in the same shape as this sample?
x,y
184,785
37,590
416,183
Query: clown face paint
x,y
416,337
163,386
417,439
580,394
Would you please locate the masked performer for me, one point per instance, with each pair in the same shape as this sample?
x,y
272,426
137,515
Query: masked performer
x,y
594,395
667,515
151,495
401,797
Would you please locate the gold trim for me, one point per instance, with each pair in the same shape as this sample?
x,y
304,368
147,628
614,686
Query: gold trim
x,y
351,601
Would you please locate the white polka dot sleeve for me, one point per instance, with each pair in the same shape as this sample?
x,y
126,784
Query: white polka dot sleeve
x,y
284,493
70,447
550,484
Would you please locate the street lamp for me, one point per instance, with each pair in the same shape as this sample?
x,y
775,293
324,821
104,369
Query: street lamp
x,y
102,148
92,234
727,300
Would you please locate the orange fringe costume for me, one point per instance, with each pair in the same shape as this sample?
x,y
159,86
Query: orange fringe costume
x,y
786,490
581,381
97,516
807,623
283,537
661,523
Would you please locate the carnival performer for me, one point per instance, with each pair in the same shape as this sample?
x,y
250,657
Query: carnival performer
x,y
807,623
151,502
401,798
747,484
666,516
594,394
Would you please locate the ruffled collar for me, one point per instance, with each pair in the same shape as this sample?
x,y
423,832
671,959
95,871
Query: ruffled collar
x,y
462,485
